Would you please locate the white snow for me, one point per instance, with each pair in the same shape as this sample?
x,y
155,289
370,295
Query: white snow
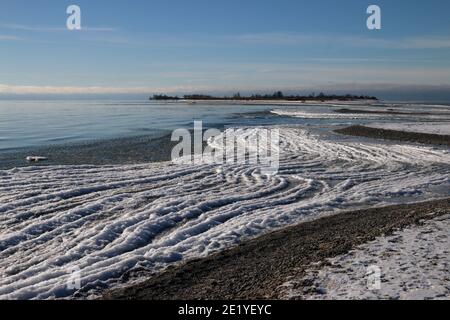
x,y
442,128
307,114
35,158
413,264
107,220
402,113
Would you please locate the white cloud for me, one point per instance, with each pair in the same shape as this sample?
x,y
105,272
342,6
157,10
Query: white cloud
x,y
8,38
423,42
328,87
75,90
21,27
278,38
426,43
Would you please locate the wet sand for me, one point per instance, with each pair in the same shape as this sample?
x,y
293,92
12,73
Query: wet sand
x,y
256,269
120,151
104,152
425,138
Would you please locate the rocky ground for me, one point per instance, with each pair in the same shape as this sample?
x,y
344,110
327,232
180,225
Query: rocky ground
x,y
425,138
257,269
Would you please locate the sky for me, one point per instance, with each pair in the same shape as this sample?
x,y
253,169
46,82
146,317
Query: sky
x,y
141,47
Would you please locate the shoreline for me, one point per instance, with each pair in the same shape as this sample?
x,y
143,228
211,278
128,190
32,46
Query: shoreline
x,y
386,112
257,269
395,135
117,151
279,102
126,150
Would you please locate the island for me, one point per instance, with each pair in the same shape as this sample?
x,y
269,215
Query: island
x,y
278,96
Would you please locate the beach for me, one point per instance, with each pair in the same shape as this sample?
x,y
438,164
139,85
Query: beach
x,y
260,268
397,135
136,225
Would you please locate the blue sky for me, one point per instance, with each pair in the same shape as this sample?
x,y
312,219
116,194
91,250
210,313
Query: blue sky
x,y
140,47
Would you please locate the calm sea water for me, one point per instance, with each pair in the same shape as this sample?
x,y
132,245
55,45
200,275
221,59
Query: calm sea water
x,y
38,123
25,124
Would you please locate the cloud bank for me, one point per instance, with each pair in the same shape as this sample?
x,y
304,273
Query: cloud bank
x,y
384,90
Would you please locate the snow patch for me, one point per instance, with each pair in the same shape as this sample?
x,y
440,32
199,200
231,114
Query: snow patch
x,y
108,220
414,264
35,159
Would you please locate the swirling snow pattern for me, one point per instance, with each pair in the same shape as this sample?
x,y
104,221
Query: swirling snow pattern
x,y
107,220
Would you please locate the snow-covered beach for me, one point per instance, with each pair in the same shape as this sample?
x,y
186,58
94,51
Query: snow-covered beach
x,y
413,263
107,221
283,264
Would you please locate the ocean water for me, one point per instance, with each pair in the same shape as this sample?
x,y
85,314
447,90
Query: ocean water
x,y
25,124
37,123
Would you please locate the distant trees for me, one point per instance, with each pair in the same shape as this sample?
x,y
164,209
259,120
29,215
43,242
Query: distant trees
x,y
278,95
200,97
163,97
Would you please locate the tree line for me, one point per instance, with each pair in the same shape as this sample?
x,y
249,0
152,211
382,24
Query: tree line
x,y
278,95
